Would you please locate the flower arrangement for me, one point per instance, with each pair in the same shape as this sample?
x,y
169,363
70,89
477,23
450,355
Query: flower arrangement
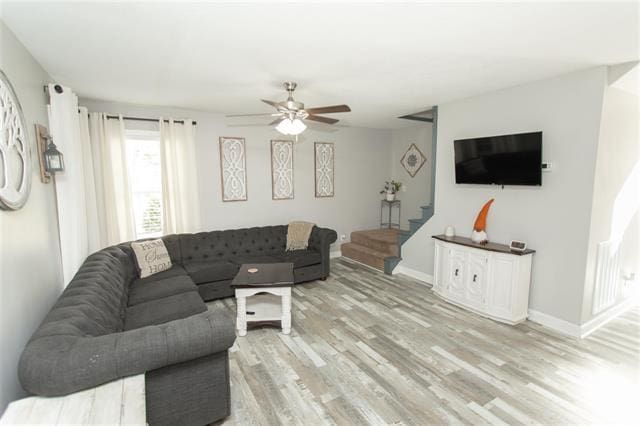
x,y
391,187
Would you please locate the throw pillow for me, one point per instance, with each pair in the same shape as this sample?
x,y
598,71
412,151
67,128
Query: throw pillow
x,y
152,257
298,234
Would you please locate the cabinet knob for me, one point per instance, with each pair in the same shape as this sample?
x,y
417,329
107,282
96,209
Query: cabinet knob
x,y
474,277
456,274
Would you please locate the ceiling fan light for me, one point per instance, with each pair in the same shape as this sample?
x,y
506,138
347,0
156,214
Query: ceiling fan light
x,y
291,127
297,127
284,126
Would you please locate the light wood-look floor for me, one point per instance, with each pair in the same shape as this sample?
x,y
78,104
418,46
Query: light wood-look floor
x,y
367,348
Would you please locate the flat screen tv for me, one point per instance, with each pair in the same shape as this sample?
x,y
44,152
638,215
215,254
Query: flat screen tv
x,y
500,160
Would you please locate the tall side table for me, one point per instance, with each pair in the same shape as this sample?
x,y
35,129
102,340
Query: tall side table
x,y
263,297
389,206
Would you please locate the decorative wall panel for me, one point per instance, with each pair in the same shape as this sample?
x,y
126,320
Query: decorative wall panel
x,y
233,169
281,170
15,156
324,172
413,160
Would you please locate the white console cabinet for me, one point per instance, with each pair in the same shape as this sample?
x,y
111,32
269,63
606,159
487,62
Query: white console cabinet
x,y
489,279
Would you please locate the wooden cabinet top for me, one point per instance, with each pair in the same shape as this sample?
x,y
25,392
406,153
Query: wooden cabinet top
x,y
499,248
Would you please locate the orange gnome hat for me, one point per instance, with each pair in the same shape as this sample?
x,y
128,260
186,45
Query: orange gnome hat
x,y
481,220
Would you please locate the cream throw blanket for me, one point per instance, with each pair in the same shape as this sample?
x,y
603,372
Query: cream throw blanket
x,y
298,235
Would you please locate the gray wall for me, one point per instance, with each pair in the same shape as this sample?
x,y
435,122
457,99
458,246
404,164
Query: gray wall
x,y
618,155
30,271
417,190
553,219
361,166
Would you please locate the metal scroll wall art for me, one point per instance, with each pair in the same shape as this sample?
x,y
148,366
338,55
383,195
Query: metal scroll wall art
x,y
233,169
281,170
323,157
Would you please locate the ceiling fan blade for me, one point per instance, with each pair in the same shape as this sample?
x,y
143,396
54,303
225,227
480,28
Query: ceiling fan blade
x,y
272,103
274,122
270,114
322,119
328,109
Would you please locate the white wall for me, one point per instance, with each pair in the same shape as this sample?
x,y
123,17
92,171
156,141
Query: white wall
x,y
618,156
417,190
361,166
553,219
30,271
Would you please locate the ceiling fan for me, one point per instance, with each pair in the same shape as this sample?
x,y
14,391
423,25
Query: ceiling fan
x,y
291,113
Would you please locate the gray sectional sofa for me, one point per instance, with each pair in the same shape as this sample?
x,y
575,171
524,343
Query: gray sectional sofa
x,y
109,323
212,259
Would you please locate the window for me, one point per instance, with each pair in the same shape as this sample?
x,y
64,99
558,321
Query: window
x,y
145,179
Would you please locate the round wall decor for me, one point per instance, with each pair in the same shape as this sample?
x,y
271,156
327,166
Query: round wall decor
x,y
15,155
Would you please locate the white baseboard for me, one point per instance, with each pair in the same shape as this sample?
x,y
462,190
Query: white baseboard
x,y
595,323
334,254
418,275
556,324
580,331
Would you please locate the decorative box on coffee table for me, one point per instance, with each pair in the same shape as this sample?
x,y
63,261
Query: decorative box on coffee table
x,y
264,296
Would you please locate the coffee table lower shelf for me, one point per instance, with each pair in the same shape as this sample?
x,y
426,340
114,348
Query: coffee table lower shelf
x,y
263,306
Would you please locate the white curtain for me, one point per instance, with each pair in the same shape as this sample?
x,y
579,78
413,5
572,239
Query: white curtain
x,y
180,201
64,127
94,242
92,194
115,222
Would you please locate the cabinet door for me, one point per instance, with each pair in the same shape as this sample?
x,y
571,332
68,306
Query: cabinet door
x,y
475,288
455,276
500,294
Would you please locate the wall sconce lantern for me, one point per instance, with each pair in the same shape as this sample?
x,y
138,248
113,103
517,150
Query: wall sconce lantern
x,y
53,159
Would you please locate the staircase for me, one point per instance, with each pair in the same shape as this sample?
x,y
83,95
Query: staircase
x,y
414,224
381,248
373,247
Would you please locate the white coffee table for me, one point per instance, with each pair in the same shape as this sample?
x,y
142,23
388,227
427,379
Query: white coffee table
x,y
264,297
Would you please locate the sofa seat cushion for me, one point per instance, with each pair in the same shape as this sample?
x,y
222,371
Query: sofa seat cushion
x,y
241,260
163,310
144,291
174,271
206,272
301,258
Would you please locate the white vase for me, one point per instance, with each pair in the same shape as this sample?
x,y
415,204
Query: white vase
x,y
391,196
449,231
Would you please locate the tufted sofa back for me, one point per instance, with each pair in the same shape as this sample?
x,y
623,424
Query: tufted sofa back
x,y
223,245
94,302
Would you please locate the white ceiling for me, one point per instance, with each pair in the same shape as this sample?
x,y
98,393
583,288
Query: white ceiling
x,y
382,60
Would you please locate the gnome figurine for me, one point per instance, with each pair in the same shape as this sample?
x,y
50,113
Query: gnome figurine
x,y
479,234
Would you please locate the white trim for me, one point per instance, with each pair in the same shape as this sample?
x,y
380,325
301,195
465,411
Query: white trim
x,y
348,259
559,325
427,279
595,323
334,254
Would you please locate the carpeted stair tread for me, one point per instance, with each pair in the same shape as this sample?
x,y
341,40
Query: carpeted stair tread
x,y
366,255
382,240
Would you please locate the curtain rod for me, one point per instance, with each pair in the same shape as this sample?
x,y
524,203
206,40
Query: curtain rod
x,y
147,119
